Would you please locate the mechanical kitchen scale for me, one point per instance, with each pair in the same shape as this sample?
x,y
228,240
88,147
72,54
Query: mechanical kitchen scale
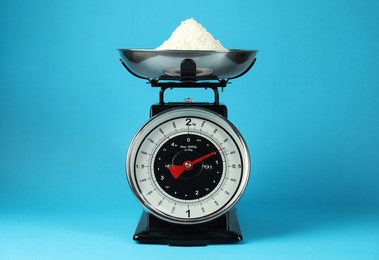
x,y
188,165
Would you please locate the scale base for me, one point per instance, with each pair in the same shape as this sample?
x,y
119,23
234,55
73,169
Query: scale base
x,y
223,230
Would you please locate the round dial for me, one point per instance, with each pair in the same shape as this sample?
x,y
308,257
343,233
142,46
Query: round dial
x,y
188,165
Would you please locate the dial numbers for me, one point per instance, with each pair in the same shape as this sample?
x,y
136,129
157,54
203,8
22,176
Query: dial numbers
x,y
188,168
192,184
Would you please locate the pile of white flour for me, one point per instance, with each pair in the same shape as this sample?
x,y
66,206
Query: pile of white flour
x,y
191,35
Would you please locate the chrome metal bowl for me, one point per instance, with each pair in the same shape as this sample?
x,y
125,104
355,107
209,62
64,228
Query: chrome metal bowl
x,y
166,64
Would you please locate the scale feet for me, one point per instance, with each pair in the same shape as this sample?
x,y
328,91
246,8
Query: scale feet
x,y
223,230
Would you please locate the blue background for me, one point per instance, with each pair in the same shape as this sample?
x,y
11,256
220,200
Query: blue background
x,y
308,111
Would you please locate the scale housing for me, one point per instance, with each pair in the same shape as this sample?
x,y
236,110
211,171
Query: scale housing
x,y
188,69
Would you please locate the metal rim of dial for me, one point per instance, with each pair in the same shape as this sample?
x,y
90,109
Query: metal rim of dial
x,y
169,116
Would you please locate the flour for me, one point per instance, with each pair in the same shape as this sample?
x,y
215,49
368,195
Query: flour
x,y
191,35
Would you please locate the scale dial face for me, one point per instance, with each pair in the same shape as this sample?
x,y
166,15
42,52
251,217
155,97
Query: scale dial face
x,y
188,165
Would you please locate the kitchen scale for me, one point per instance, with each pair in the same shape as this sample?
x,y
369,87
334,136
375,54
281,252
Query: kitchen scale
x,y
188,165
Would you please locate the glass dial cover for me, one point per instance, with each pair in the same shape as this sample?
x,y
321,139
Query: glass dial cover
x,y
188,165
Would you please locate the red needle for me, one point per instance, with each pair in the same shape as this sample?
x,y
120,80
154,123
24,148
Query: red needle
x,y
203,158
177,170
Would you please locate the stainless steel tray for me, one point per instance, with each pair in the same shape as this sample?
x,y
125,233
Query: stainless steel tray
x,y
166,64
